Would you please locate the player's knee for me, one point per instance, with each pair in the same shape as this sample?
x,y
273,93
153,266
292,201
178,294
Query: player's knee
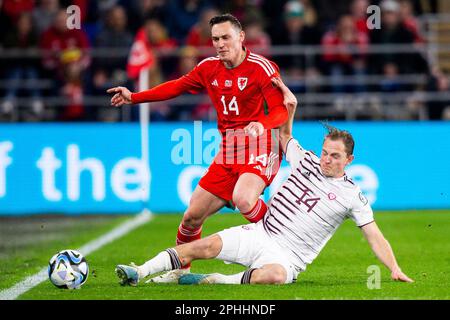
x,y
243,203
278,276
207,248
270,276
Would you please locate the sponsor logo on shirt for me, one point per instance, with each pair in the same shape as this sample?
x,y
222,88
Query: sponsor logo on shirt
x,y
214,83
228,83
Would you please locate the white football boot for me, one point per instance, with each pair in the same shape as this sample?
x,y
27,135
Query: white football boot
x,y
127,274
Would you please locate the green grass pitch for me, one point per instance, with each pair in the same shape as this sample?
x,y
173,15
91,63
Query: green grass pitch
x,y
420,240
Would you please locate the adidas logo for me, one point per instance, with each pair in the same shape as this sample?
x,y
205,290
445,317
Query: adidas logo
x,y
214,83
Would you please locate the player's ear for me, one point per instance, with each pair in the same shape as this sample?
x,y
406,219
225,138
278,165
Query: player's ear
x,y
350,158
242,35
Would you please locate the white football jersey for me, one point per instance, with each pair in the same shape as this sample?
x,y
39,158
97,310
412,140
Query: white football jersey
x,y
309,207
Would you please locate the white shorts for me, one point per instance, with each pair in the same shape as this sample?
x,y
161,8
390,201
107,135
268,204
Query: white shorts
x,y
249,246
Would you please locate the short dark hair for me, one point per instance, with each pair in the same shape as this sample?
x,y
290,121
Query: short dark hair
x,y
343,135
226,18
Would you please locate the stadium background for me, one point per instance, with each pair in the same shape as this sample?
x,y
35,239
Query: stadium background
x,y
69,161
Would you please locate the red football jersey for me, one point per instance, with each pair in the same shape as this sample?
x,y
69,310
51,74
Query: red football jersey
x,y
241,95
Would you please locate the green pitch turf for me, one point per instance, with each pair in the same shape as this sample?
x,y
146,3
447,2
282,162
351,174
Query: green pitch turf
x,y
27,243
420,240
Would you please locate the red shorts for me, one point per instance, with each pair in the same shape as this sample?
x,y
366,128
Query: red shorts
x,y
220,179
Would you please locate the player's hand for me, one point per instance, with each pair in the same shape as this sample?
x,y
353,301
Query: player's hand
x,y
122,96
290,101
254,129
398,275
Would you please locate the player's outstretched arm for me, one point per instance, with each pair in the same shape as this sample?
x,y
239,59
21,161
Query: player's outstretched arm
x,y
164,91
382,249
290,102
121,96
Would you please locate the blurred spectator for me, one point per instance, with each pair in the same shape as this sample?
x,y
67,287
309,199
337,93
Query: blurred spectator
x,y
114,35
328,11
273,25
310,15
294,31
141,55
358,11
72,91
200,33
159,39
256,39
439,107
237,8
111,72
344,53
188,60
429,6
245,11
22,71
98,11
183,15
393,32
61,45
141,9
409,21
12,9
157,34
44,14
160,26
390,81
65,60
152,35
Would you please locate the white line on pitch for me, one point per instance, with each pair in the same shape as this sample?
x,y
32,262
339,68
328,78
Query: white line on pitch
x,y
32,281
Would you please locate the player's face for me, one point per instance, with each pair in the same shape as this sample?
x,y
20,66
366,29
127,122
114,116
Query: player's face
x,y
334,158
227,41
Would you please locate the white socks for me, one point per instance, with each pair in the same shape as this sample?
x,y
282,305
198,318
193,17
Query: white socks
x,y
168,260
227,279
238,278
162,262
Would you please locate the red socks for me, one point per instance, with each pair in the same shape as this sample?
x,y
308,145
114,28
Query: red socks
x,y
187,234
257,213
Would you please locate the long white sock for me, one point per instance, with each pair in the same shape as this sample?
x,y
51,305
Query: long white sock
x,y
227,279
162,262
238,278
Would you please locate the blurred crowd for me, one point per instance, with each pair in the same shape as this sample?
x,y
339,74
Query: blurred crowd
x,y
170,37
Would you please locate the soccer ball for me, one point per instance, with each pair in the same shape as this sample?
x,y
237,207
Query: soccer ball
x,y
68,269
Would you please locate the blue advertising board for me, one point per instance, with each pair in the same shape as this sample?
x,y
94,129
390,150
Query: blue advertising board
x,y
96,168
